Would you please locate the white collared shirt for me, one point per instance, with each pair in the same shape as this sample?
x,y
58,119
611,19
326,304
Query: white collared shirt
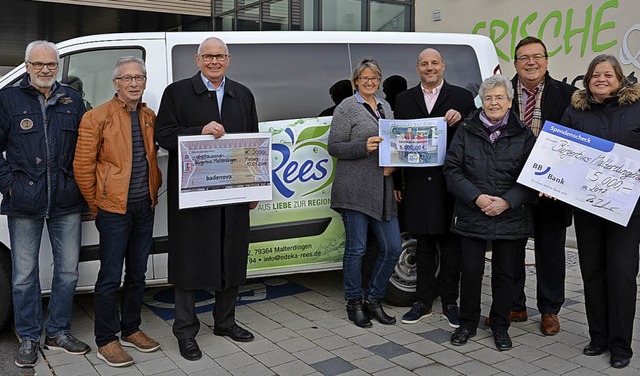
x,y
219,91
430,97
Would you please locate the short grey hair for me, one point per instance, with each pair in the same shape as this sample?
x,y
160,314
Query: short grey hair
x,y
210,39
496,81
35,43
364,64
126,60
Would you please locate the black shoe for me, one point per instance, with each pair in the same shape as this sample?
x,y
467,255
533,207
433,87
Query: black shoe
x,y
189,349
357,314
27,354
461,336
67,343
593,350
375,310
619,362
236,333
502,339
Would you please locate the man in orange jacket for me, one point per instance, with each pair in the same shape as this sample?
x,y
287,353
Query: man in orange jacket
x,y
117,172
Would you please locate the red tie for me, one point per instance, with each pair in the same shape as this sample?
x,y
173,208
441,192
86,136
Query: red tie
x,y
530,106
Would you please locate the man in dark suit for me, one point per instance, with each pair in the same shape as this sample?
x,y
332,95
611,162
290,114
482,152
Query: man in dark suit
x,y
208,246
428,207
550,98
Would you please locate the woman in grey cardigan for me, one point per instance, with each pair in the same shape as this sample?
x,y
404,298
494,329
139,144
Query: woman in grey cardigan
x,y
363,194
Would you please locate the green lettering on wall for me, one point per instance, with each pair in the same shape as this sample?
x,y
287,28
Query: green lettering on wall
x,y
598,27
492,34
514,36
556,30
569,32
527,21
479,25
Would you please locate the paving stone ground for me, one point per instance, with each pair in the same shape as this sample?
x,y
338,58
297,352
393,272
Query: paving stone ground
x,y
308,333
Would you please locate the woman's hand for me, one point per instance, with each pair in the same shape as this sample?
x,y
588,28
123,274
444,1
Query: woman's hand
x,y
372,143
496,207
483,201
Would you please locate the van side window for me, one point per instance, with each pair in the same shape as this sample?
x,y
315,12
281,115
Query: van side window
x,y
461,62
90,72
289,81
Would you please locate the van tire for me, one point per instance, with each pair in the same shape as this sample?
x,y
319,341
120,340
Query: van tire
x,y
6,302
401,289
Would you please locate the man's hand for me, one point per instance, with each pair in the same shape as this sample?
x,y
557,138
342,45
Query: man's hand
x,y
452,116
398,195
253,205
214,128
388,171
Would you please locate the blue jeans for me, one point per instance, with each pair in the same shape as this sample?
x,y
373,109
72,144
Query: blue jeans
x,y
390,247
64,235
125,239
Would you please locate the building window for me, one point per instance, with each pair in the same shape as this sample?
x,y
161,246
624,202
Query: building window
x,y
389,17
331,15
343,15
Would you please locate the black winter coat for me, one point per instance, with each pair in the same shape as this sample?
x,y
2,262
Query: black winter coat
x,y
475,166
556,97
617,119
427,206
208,247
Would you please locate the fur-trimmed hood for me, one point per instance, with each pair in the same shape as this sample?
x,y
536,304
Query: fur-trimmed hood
x,y
582,100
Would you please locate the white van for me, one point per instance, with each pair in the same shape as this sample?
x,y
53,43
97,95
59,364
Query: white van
x,y
290,74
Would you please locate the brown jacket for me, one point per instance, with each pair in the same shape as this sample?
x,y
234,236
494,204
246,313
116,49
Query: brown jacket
x,y
102,163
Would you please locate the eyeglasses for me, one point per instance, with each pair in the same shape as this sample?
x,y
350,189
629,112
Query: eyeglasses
x,y
220,58
525,58
367,79
497,98
128,79
39,65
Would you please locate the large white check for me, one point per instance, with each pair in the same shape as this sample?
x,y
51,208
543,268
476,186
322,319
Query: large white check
x,y
593,174
413,143
234,168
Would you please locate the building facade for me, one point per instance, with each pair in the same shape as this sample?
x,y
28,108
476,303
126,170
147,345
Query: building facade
x,y
22,21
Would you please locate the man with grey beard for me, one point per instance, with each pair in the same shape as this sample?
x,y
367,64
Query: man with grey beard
x,y
38,130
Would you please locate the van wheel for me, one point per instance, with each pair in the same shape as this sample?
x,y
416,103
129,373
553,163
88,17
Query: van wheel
x,y
6,304
401,289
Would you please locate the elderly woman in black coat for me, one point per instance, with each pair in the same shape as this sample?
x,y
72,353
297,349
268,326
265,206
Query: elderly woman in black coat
x,y
483,162
608,107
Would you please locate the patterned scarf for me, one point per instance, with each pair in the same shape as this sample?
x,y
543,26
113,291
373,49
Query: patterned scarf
x,y
536,122
494,130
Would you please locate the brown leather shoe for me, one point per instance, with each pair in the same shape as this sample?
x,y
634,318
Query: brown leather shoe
x,y
549,326
514,316
140,341
114,355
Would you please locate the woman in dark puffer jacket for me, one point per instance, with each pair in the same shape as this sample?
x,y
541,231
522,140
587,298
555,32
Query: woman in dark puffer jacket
x,y
484,160
609,108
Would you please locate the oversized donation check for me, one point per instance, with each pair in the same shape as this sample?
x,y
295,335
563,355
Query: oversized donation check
x,y
593,174
234,168
413,143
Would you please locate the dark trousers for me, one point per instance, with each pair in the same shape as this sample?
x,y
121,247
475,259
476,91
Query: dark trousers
x,y
502,274
550,269
124,239
186,324
609,266
447,282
